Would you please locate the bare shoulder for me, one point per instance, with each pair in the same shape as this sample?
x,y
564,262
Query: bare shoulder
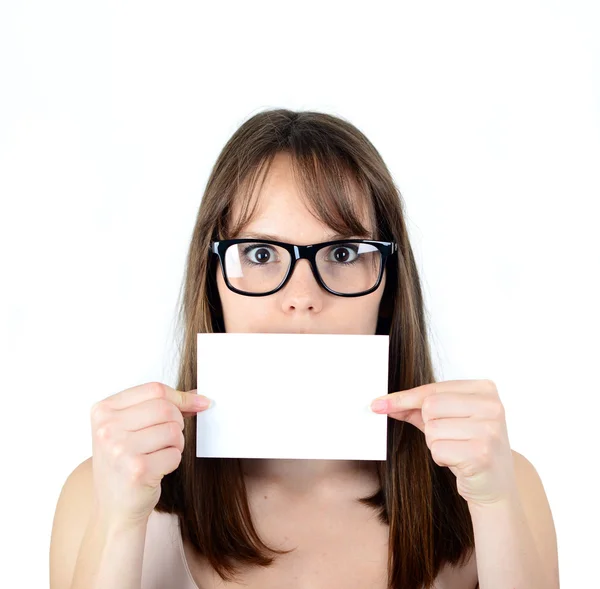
x,y
537,511
72,513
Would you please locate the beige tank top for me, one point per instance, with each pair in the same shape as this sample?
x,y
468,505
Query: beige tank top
x,y
164,564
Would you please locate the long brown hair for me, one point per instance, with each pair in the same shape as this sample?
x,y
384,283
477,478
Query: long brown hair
x,y
429,522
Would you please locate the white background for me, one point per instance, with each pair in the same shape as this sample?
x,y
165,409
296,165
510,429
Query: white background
x,y
112,115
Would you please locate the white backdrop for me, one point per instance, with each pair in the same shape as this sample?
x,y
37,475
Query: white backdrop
x,y
111,117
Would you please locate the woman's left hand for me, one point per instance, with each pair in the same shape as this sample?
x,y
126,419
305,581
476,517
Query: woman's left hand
x,y
465,430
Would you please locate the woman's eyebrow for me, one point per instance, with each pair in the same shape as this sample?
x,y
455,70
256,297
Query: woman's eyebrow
x,y
254,235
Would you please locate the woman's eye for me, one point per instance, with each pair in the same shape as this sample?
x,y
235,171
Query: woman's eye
x,y
343,254
261,254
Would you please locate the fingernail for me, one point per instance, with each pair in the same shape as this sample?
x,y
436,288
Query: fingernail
x,y
379,405
201,402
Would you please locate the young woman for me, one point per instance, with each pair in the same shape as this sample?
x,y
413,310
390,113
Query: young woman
x,y
451,507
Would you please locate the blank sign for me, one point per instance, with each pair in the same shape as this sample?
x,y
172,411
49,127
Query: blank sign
x,y
286,395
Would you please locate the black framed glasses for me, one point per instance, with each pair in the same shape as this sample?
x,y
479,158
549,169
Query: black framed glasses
x,y
343,267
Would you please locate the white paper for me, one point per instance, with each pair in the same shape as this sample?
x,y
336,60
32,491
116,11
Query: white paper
x,y
288,395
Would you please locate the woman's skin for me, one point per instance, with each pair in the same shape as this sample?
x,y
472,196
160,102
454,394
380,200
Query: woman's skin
x,y
302,306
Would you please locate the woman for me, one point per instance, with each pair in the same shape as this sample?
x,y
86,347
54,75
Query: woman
x,y
451,507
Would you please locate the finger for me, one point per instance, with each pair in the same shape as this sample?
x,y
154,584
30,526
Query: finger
x,y
148,413
454,429
401,401
481,386
452,452
156,437
443,405
412,416
183,400
461,386
160,463
413,398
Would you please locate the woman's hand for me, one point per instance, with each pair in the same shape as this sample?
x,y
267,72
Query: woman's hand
x,y
137,438
465,430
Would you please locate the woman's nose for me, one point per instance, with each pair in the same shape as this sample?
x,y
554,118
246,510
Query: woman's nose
x,y
302,290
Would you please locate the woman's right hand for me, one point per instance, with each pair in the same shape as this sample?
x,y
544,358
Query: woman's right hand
x,y
137,438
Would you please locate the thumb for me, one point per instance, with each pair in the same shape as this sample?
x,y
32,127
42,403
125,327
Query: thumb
x,y
412,416
190,402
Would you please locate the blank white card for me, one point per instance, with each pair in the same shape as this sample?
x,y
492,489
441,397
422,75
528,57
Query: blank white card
x,y
288,395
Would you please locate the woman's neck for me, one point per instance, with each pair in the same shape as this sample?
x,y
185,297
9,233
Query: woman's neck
x,y
302,477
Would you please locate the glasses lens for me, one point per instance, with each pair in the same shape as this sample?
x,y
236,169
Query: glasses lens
x,y
349,268
256,267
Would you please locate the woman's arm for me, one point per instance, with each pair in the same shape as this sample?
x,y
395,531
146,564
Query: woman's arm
x,y
111,555
515,540
90,551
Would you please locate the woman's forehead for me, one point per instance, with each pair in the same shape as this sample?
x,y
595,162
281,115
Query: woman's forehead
x,y
281,190
272,210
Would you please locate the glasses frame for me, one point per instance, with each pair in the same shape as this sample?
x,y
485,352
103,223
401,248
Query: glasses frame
x,y
300,252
